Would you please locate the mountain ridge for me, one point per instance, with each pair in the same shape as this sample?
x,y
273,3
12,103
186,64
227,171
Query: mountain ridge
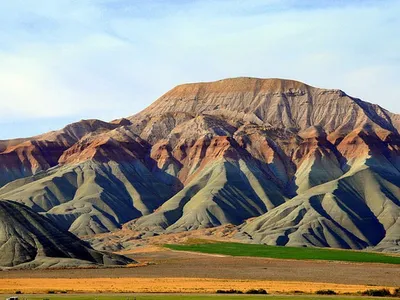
x,y
257,95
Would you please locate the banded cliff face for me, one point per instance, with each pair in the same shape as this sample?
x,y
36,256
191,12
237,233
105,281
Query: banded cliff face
x,y
280,103
207,154
24,157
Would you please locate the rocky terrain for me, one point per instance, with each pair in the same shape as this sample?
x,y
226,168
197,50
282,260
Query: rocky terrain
x,y
288,163
28,240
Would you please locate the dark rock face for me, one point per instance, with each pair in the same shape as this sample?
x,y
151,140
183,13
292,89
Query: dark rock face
x,y
28,239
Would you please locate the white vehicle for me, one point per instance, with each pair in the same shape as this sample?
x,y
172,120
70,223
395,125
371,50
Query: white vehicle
x,y
12,298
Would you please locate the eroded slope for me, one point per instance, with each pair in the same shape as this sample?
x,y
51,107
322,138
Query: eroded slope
x,y
30,240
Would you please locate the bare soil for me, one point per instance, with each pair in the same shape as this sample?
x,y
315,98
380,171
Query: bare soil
x,y
165,264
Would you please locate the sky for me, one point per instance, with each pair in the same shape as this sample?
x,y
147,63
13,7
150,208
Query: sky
x,y
66,60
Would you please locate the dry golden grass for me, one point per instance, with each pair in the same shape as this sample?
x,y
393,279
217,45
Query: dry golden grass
x,y
143,249
174,285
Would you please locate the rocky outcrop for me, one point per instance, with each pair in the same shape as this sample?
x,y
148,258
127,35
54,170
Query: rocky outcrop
x,y
28,240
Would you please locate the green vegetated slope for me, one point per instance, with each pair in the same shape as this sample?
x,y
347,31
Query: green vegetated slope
x,y
238,249
187,297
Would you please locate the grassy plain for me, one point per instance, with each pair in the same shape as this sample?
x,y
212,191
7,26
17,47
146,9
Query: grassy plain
x,y
238,249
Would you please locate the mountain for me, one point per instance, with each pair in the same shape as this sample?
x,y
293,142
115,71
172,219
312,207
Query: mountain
x,y
298,165
99,182
30,240
359,210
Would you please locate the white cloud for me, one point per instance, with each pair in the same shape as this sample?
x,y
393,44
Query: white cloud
x,y
108,59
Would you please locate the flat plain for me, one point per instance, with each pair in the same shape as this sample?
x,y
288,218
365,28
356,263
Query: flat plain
x,y
186,272
305,253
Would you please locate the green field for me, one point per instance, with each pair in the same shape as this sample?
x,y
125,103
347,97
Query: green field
x,y
186,297
237,249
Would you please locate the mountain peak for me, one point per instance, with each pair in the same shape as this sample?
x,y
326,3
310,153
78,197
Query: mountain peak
x,y
282,103
240,84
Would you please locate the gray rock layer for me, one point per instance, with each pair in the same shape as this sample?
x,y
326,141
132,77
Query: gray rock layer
x,y
30,240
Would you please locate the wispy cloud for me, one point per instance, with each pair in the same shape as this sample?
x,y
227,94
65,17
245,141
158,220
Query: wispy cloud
x,y
110,58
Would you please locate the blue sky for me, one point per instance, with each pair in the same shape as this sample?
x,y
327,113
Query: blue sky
x,y
65,60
